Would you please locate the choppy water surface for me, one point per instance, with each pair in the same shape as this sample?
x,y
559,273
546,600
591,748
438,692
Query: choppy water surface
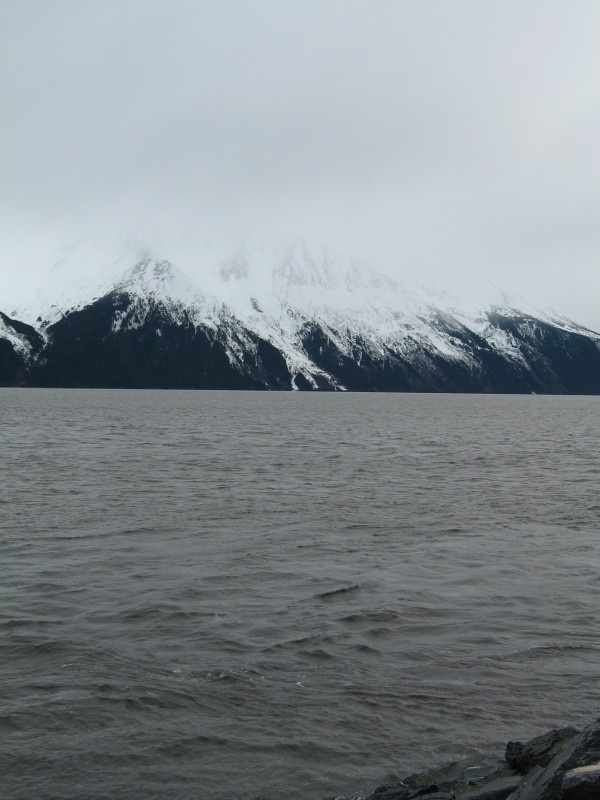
x,y
218,595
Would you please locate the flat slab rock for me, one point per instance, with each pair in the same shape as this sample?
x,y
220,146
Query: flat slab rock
x,y
561,778
498,789
582,783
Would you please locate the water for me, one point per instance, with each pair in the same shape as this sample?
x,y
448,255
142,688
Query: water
x,y
218,595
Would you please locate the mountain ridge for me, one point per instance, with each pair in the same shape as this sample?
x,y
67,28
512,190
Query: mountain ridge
x,y
300,316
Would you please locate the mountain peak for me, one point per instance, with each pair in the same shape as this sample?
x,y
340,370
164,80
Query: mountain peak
x,y
235,267
158,278
301,265
150,268
308,270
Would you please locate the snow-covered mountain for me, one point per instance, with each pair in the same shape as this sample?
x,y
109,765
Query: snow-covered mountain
x,y
19,346
298,316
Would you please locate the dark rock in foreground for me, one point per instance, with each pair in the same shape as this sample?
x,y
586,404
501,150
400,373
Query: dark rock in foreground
x,y
539,751
487,779
563,764
551,782
582,783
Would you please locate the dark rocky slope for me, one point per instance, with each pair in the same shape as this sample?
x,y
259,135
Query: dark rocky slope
x,y
85,350
120,341
552,361
19,345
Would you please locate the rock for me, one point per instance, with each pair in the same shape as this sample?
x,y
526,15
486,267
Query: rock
x,y
582,783
400,791
383,787
440,796
498,789
450,772
538,751
461,777
545,783
513,753
425,791
486,771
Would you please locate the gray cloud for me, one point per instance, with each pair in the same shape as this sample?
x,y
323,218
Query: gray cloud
x,y
441,139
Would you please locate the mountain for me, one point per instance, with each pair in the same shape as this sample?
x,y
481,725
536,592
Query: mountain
x,y
19,346
300,316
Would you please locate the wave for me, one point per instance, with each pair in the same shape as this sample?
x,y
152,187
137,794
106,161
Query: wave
x,y
335,592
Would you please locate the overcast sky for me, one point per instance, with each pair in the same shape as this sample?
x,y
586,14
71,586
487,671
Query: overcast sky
x,y
439,138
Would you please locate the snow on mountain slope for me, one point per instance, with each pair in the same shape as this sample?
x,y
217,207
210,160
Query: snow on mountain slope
x,y
276,293
17,337
79,274
286,295
155,281
19,346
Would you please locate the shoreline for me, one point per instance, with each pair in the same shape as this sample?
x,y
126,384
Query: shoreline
x,y
561,764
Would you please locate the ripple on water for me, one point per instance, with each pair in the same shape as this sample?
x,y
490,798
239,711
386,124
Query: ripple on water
x,y
221,593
